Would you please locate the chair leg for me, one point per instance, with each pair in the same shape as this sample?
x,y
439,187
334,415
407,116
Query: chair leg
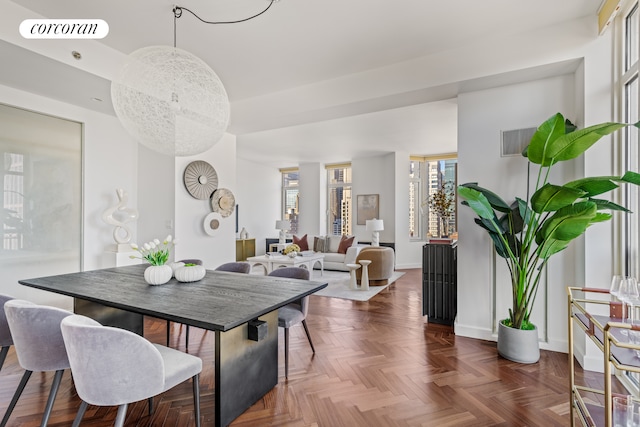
x,y
3,355
187,339
122,414
168,331
81,410
52,397
306,329
286,352
196,398
150,400
16,396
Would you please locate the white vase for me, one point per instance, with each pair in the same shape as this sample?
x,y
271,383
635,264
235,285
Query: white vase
x,y
244,234
157,274
174,266
191,273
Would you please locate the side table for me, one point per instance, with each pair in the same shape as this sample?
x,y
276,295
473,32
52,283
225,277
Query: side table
x,y
353,283
364,279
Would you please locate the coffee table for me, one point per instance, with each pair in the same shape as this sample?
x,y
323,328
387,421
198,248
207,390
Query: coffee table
x,y
271,262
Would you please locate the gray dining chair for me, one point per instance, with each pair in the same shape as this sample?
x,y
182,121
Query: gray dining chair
x,y
39,346
293,313
5,334
115,367
235,267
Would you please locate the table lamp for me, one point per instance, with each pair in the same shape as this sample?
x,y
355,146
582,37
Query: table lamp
x,y
282,225
375,225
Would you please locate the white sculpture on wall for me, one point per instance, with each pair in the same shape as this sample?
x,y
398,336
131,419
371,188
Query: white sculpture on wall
x,y
118,216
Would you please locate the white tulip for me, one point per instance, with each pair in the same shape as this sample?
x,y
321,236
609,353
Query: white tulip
x,y
168,239
156,241
134,246
153,245
147,247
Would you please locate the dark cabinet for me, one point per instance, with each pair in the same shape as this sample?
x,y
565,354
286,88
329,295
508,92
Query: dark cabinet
x,y
439,282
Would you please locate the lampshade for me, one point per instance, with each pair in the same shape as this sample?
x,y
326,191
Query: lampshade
x,y
170,101
375,225
283,224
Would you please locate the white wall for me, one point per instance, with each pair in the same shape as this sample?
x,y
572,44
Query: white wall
x,y
375,175
190,212
312,199
482,115
258,196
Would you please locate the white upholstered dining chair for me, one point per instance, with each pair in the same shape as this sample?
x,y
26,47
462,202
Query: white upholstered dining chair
x,y
115,367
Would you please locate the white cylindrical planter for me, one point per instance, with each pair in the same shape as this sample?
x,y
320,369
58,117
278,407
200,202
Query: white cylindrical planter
x,y
518,345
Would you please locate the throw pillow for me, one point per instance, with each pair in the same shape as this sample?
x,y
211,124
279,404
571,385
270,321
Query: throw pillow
x,y
318,244
301,242
345,243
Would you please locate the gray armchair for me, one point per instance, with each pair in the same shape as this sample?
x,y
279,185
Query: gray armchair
x,y
293,313
39,346
114,367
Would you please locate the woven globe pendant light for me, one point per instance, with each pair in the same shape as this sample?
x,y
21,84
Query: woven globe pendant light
x,y
170,101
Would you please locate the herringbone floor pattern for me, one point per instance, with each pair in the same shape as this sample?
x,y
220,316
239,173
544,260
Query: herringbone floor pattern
x,y
378,363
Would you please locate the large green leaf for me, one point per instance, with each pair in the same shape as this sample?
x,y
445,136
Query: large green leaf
x,y
512,221
552,129
571,145
595,185
550,198
567,223
476,201
552,246
631,177
494,200
608,205
601,217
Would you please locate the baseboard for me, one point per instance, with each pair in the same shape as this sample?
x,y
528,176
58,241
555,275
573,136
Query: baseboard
x,y
407,266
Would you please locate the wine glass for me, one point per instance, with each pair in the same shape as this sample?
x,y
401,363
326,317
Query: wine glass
x,y
614,289
629,295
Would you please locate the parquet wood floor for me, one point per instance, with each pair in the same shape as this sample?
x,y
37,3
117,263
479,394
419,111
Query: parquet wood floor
x,y
377,363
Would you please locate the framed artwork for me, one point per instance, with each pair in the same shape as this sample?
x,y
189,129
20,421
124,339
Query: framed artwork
x,y
367,207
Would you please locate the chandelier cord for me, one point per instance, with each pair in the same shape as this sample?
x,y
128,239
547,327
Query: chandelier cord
x,y
177,13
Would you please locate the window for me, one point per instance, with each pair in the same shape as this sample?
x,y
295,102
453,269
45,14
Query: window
x,y
339,200
291,197
427,176
630,152
627,24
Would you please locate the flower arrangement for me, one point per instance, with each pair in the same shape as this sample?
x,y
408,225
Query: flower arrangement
x,y
155,252
291,248
443,203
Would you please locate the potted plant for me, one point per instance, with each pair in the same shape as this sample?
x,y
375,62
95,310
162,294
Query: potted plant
x,y
529,231
156,253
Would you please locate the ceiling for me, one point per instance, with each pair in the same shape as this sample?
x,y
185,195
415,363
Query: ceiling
x,y
297,44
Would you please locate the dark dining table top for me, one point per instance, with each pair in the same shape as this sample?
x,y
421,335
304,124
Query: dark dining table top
x,y
220,301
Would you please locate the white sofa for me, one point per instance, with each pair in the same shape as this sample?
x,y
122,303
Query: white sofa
x,y
332,259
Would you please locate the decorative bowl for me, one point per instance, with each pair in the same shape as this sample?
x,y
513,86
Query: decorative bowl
x,y
190,273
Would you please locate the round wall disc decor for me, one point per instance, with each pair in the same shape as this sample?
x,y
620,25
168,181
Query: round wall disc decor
x,y
223,202
201,179
212,223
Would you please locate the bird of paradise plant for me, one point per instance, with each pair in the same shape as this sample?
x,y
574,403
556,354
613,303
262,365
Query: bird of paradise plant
x,y
527,232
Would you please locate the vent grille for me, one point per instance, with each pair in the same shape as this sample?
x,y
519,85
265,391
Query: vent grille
x,y
513,142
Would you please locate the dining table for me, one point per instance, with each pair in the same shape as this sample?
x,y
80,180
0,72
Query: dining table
x,y
242,310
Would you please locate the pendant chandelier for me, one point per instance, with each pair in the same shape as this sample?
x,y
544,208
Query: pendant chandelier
x,y
170,100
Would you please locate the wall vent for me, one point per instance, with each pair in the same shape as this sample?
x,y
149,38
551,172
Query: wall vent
x,y
513,142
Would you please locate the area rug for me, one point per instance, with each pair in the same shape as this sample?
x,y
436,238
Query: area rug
x,y
339,286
